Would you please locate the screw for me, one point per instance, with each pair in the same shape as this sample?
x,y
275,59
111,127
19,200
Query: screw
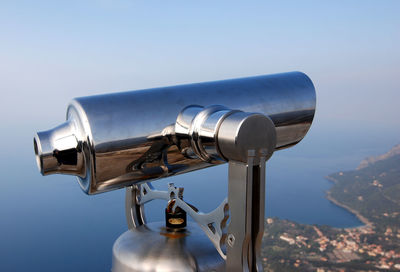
x,y
231,240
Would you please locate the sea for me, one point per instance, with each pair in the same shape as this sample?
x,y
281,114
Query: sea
x,y
49,224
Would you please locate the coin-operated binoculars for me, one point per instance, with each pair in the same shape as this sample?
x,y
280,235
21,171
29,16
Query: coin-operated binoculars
x,y
129,139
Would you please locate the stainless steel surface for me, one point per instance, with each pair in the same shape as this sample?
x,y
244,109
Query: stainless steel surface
x,y
213,223
59,151
247,141
246,200
216,133
241,132
134,212
196,130
153,248
128,138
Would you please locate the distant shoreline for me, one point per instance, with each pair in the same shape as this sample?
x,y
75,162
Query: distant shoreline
x,y
363,219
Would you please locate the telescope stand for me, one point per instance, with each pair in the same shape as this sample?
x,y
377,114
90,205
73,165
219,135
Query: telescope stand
x,y
246,198
236,227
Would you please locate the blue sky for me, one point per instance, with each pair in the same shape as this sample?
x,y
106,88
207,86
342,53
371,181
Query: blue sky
x,y
52,51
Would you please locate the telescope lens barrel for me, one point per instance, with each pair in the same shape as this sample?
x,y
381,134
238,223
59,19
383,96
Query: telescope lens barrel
x,y
115,140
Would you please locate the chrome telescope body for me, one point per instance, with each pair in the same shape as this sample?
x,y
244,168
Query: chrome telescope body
x,y
120,139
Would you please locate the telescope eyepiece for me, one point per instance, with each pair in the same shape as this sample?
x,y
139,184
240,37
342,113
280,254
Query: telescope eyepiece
x,y
59,151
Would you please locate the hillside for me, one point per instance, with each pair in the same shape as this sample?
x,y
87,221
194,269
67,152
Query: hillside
x,y
372,192
371,160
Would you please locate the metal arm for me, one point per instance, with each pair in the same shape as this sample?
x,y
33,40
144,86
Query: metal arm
x,y
246,198
213,223
134,211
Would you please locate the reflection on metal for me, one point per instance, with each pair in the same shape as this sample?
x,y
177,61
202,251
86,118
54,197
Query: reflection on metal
x,y
59,151
152,247
247,141
246,195
121,139
129,139
213,223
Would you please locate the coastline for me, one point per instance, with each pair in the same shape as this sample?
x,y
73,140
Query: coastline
x,y
363,219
